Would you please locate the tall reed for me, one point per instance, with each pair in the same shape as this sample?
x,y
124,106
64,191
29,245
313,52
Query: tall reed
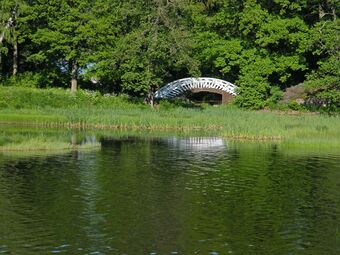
x,y
91,110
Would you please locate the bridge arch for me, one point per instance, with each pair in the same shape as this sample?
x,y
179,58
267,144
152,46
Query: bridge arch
x,y
202,84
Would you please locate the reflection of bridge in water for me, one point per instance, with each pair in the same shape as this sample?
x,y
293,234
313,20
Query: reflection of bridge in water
x,y
195,85
196,148
196,151
198,144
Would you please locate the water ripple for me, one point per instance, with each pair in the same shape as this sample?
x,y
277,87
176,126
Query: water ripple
x,y
171,196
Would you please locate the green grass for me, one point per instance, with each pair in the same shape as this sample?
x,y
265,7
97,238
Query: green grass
x,y
36,144
32,98
91,110
18,140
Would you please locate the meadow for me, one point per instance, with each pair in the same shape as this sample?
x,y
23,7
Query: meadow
x,y
58,108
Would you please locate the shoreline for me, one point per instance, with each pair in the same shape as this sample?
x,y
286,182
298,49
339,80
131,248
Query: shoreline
x,y
212,130
21,138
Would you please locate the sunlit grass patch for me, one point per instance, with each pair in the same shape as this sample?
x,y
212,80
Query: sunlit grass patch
x,y
87,110
11,142
37,145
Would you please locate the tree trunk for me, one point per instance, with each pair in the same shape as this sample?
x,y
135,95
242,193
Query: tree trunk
x,y
321,11
2,36
8,25
0,66
15,57
149,99
334,13
15,43
74,77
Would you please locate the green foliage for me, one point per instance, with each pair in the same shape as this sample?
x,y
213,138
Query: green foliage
x,y
175,104
148,54
276,95
49,141
17,98
323,84
60,108
250,98
293,105
27,79
135,47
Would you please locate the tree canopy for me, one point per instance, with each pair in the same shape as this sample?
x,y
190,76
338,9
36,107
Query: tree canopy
x,y
135,47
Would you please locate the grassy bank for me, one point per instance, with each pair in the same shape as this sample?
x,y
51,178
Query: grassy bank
x,y
18,140
36,144
59,108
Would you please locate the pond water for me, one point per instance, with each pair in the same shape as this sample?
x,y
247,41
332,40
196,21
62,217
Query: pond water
x,y
171,195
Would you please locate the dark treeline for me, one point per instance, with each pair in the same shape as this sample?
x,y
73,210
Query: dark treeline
x,y
136,46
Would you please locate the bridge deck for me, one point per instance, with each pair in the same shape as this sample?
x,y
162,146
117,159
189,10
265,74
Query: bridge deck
x,y
178,87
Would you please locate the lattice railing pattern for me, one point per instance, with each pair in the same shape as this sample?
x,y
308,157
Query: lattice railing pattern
x,y
178,87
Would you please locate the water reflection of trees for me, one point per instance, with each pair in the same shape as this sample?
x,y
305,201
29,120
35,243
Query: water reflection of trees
x,y
258,196
142,195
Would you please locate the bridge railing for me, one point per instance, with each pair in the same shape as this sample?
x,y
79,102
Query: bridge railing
x,y
178,87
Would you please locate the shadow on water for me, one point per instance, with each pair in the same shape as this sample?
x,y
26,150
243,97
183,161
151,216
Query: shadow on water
x,y
171,195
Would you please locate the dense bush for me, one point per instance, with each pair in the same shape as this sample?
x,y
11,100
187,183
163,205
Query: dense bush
x,y
25,80
14,97
135,47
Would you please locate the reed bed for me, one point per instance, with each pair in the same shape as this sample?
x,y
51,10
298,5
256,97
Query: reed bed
x,y
29,141
226,121
120,114
38,145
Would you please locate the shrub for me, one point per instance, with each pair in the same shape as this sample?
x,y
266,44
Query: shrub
x,y
20,97
25,80
293,105
276,95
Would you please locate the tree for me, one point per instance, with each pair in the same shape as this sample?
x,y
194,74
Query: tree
x,y
9,29
136,46
261,46
323,83
155,48
66,36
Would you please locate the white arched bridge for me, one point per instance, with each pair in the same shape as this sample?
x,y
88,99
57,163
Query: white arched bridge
x,y
178,87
